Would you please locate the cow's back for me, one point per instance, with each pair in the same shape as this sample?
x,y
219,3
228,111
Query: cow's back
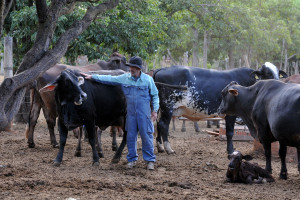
x,y
279,104
205,85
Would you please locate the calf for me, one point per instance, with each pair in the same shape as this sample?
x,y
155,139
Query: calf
x,y
240,171
270,109
86,103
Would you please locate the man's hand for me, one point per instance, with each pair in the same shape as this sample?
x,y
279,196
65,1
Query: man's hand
x,y
153,116
86,76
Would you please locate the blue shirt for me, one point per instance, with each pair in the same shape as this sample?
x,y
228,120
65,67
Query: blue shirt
x,y
127,79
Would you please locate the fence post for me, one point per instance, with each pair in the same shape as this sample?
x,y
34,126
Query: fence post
x,y
8,57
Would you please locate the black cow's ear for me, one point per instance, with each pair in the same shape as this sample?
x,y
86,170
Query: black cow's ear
x,y
282,74
247,157
256,75
233,91
80,80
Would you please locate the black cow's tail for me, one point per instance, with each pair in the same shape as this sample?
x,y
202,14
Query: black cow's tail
x,y
176,87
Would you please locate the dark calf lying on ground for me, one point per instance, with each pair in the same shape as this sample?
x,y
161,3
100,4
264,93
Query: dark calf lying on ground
x,y
240,171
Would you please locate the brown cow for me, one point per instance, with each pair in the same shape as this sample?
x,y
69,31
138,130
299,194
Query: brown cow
x,y
292,79
46,101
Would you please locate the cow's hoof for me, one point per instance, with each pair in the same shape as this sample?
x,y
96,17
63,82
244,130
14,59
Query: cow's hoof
x,y
31,145
115,160
55,145
77,153
96,164
160,147
160,150
171,152
56,163
183,130
283,175
114,147
168,148
100,154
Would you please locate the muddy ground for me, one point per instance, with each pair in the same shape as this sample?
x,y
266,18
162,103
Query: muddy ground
x,y
196,171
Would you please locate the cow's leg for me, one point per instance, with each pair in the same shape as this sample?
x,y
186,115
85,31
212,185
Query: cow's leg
x,y
91,135
298,156
218,123
208,125
163,130
50,117
114,130
63,134
197,129
78,148
230,120
98,135
183,128
173,123
282,154
120,132
34,113
267,148
118,153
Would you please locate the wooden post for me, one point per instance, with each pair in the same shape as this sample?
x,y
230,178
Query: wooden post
x,y
8,57
2,70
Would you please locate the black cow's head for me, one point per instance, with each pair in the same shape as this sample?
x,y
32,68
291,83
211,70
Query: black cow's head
x,y
268,71
67,88
69,96
235,162
228,103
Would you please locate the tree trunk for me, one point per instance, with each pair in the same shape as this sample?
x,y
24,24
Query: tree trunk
x,y
185,58
5,6
295,66
285,59
40,58
245,61
282,52
226,63
23,113
195,61
205,46
231,59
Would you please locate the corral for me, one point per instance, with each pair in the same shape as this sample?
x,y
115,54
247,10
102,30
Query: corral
x,y
196,171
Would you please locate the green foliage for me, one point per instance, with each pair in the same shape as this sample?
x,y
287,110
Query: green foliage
x,y
149,27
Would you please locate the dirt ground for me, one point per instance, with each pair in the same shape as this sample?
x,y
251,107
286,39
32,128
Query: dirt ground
x,y
196,171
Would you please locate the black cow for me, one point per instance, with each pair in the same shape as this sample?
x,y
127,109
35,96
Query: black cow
x,y
86,103
240,171
203,96
271,110
46,101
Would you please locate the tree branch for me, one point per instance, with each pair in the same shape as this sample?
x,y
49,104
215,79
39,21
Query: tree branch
x,y
5,6
42,10
14,87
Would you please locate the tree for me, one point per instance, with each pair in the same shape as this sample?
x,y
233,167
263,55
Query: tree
x,y
5,6
44,52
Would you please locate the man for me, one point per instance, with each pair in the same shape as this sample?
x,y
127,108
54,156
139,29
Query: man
x,y
140,90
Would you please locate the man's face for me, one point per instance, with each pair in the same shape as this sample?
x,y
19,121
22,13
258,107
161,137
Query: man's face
x,y
135,72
